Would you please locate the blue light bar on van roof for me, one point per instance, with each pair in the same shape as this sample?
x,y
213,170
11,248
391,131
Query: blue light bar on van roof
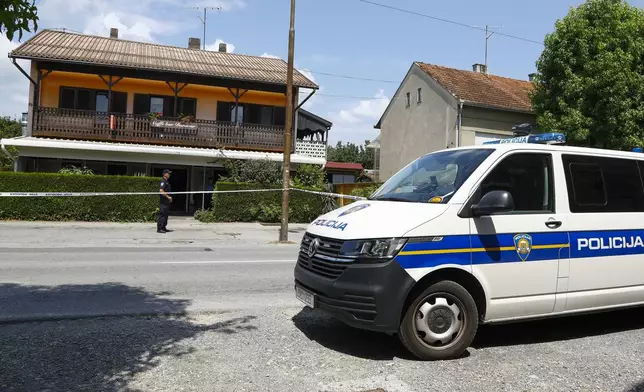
x,y
544,138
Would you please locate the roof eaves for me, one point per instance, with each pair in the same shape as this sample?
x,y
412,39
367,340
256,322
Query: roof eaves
x,y
15,54
311,86
306,113
497,107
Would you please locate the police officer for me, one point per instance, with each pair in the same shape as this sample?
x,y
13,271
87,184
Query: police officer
x,y
164,202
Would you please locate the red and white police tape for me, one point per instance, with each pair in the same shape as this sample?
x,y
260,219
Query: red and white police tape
x,y
86,194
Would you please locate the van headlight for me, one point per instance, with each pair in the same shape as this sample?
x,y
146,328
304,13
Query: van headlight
x,y
373,250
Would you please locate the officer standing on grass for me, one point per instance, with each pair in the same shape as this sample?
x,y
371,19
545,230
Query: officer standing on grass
x,y
164,202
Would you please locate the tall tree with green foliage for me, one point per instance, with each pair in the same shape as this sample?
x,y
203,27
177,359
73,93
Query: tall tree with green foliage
x,y
8,128
18,16
590,77
351,153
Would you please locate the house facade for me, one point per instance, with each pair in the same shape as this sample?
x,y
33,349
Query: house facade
x,y
132,108
437,107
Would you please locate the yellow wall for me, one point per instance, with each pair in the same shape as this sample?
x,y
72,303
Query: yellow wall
x,y
207,96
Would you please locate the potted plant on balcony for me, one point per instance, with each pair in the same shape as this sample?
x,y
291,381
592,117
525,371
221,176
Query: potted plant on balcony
x,y
187,119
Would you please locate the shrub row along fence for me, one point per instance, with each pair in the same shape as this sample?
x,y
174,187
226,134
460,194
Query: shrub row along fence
x,y
129,208
262,206
227,207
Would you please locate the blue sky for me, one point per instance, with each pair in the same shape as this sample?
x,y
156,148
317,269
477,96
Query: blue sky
x,y
346,37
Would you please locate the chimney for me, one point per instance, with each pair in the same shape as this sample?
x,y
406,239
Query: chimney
x,y
479,68
114,33
194,43
531,76
222,47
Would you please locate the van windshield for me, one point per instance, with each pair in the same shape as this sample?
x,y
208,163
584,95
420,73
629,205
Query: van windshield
x,y
434,177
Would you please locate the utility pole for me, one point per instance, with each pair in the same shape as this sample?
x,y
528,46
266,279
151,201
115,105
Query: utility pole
x,y
203,21
488,35
286,166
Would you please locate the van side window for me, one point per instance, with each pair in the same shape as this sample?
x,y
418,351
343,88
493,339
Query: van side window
x,y
528,178
599,184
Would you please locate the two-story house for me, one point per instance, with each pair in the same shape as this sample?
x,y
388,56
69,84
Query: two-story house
x,y
437,107
132,108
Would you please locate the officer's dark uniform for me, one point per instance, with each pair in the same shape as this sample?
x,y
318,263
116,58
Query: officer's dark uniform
x,y
164,205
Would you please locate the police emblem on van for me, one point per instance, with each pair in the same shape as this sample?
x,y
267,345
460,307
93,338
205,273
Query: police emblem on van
x,y
523,245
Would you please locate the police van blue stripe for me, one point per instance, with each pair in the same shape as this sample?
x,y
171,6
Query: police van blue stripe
x,y
491,249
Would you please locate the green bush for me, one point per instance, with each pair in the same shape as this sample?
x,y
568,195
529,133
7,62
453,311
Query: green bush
x,y
254,171
309,176
142,208
365,191
260,206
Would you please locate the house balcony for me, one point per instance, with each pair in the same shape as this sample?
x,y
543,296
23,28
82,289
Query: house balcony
x,y
133,128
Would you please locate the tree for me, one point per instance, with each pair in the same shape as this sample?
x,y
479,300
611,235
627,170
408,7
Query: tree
x,y
590,77
8,128
15,17
351,153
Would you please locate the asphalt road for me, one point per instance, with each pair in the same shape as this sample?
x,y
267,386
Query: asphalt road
x,y
225,319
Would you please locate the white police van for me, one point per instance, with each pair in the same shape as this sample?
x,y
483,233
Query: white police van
x,y
500,232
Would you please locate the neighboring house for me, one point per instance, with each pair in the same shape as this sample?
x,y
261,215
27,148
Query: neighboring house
x,y
131,108
312,134
437,107
375,146
342,172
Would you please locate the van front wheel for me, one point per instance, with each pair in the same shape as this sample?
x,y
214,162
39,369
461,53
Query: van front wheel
x,y
440,323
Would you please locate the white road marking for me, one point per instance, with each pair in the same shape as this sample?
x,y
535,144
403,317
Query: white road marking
x,y
225,261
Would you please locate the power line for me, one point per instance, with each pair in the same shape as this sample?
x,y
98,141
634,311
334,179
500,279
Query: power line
x,y
344,96
446,21
350,77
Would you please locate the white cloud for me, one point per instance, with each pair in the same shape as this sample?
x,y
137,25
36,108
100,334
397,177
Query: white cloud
x,y
355,124
230,48
270,56
15,86
138,28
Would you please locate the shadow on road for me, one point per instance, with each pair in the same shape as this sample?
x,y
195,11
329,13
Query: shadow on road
x,y
94,354
559,329
639,387
337,336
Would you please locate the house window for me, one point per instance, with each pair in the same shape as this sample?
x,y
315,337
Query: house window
x,y
419,97
408,99
164,104
88,99
251,113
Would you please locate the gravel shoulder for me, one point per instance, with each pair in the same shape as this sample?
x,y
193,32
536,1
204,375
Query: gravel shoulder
x,y
295,349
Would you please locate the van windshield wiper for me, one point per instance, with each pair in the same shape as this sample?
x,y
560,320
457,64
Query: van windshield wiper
x,y
390,198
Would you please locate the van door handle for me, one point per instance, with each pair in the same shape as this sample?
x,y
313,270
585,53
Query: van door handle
x,y
553,224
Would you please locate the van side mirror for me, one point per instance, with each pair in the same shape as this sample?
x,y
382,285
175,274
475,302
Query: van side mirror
x,y
494,202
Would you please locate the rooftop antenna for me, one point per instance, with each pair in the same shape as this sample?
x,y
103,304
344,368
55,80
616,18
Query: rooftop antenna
x,y
488,35
203,21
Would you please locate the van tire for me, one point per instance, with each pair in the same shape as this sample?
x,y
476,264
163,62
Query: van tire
x,y
445,310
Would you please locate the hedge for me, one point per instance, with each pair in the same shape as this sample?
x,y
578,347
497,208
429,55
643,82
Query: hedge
x,y
142,208
260,206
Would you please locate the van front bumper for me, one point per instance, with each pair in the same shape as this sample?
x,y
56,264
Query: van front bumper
x,y
366,296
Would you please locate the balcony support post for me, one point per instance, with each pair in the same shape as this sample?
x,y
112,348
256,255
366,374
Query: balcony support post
x,y
39,79
176,90
110,84
237,97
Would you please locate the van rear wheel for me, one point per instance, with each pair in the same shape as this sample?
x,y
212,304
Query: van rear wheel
x,y
440,323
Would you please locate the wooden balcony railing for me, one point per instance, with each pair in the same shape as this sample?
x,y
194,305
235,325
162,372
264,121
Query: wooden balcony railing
x,y
134,128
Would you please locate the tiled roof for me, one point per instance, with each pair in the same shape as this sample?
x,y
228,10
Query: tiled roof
x,y
343,166
104,51
478,88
